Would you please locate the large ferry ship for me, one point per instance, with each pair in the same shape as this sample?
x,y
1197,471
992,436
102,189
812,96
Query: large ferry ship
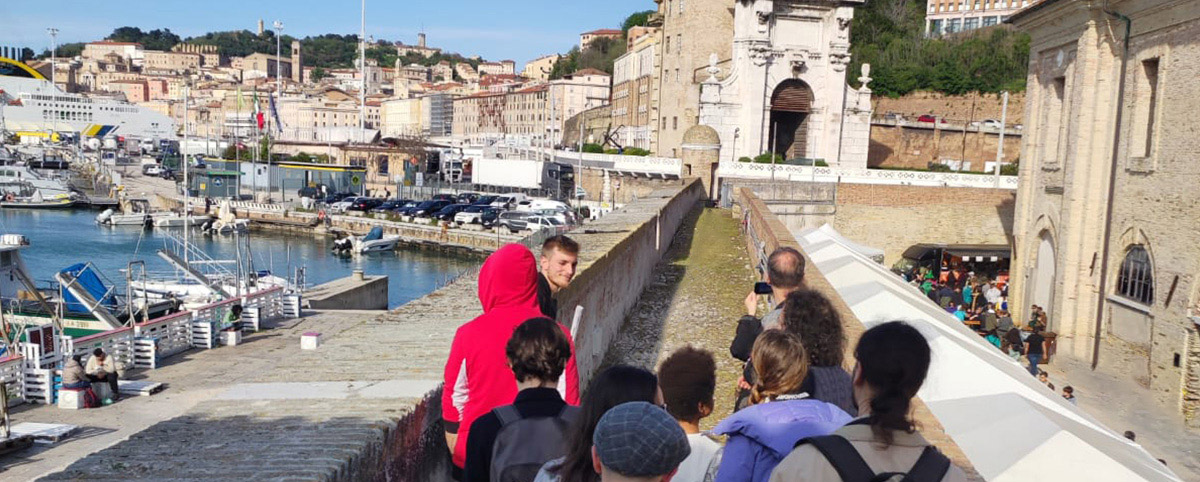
x,y
31,103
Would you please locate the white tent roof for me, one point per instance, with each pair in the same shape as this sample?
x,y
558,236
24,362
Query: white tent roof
x,y
868,251
1010,426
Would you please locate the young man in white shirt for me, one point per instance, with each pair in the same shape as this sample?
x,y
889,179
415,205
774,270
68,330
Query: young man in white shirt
x,y
688,379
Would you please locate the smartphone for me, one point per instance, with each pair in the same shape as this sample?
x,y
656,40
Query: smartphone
x,y
762,288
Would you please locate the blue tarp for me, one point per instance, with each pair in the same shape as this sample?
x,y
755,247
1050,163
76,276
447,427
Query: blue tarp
x,y
375,233
86,277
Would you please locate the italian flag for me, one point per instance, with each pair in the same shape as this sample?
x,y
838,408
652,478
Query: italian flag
x,y
258,113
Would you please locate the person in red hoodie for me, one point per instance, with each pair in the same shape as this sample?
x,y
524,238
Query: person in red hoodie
x,y
477,377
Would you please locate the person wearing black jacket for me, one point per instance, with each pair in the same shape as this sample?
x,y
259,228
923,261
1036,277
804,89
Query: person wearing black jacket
x,y
785,274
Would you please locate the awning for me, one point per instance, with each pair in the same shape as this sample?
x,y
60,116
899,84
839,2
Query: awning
x,y
875,254
970,252
1006,422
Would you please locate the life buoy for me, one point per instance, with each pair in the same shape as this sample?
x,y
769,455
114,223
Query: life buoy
x,y
9,197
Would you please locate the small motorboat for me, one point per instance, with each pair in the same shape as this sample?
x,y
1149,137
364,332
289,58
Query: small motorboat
x,y
134,212
373,242
226,222
179,220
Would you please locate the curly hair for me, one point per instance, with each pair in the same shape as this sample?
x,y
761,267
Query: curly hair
x,y
688,378
779,363
538,350
811,316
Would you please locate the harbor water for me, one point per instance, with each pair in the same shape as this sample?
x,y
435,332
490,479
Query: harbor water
x,y
60,238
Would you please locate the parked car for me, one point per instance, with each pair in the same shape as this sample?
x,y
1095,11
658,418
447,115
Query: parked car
x,y
152,170
490,216
428,208
515,221
337,197
562,217
484,200
389,205
311,192
447,213
365,204
930,118
472,214
168,173
467,197
343,205
407,208
444,197
986,124
538,223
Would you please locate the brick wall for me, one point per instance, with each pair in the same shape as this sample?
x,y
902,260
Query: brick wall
x,y
914,148
953,107
893,218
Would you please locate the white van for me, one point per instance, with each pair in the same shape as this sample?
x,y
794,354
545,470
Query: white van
x,y
510,200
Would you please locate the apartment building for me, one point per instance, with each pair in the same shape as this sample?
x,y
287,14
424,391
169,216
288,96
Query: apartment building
x,y
264,65
586,38
134,90
692,31
443,71
575,93
952,16
633,93
539,68
402,118
504,67
479,116
171,62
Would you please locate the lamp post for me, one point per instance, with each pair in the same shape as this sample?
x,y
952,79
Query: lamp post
x,y
362,59
278,66
53,77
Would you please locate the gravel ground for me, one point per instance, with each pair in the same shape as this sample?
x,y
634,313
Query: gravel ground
x,y
695,299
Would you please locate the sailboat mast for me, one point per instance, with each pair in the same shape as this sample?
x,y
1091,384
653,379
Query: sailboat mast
x,y
187,188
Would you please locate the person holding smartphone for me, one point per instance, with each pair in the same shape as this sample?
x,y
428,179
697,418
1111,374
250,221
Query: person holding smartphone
x,y
785,274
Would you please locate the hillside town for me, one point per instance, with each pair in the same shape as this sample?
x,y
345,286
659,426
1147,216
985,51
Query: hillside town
x,y
679,240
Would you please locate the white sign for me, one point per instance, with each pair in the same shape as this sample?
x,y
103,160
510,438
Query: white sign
x,y
420,179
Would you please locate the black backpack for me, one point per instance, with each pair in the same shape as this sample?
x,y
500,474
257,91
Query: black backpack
x,y
523,445
930,467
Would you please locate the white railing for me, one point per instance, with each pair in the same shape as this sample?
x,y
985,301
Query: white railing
x,y
784,172
117,343
160,338
257,206
12,374
668,166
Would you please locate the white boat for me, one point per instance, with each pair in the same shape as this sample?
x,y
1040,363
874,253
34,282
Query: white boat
x,y
179,220
226,222
373,242
34,104
134,212
23,182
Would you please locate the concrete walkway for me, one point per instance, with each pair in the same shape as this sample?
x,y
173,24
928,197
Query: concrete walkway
x,y
1116,399
695,299
321,413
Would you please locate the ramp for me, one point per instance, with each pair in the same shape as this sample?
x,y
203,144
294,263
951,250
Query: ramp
x,y
191,272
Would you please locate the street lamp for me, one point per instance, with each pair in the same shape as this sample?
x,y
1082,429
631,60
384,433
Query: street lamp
x,y
278,66
53,48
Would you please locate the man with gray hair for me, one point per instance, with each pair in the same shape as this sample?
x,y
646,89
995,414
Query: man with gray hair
x,y
785,274
638,441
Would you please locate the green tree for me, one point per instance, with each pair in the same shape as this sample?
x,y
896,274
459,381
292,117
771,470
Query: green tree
x,y
318,73
637,19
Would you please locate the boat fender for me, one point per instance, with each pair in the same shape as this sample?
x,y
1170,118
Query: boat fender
x,y
321,215
103,217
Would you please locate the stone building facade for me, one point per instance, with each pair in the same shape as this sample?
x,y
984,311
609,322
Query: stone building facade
x,y
539,68
784,90
692,30
1106,212
633,93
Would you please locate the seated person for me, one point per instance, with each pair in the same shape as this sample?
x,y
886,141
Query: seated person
x,y
233,319
73,375
101,368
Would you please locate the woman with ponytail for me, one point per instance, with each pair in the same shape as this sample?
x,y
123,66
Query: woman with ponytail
x,y
779,415
892,361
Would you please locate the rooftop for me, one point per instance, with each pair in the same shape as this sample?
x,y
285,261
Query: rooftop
x,y
604,31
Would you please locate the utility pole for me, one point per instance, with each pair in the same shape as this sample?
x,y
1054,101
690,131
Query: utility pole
x,y
278,98
362,59
1000,144
53,70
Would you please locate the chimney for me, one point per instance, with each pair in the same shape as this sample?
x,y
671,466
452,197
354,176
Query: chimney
x,y
421,40
297,66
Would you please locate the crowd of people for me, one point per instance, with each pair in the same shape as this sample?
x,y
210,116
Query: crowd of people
x,y
513,411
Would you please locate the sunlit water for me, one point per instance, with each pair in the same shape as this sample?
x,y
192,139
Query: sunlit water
x,y
61,238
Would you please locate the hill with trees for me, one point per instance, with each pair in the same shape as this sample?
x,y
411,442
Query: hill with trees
x,y
600,53
890,35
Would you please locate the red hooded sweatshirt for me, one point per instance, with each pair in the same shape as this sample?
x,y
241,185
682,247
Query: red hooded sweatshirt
x,y
477,377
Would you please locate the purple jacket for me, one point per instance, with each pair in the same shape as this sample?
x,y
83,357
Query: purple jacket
x,y
760,436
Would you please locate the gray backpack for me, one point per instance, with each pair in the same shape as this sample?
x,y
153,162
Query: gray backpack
x,y
523,445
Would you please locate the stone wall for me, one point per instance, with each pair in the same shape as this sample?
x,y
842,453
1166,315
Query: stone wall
x,y
916,148
622,188
954,108
893,218
619,254
765,233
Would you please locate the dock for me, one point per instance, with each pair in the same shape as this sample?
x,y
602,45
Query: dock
x,y
354,292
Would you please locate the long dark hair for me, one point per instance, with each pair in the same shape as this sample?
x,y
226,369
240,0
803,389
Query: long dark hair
x,y
811,316
894,359
614,386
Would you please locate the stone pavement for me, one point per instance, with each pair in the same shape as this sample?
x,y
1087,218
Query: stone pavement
x,y
695,299
1113,396
266,410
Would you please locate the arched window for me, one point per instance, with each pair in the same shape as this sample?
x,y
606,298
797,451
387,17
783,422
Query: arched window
x,y
1136,280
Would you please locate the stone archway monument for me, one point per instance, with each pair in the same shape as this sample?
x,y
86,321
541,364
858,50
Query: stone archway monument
x,y
786,88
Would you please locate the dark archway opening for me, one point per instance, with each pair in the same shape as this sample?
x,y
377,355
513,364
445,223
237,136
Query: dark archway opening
x,y
791,104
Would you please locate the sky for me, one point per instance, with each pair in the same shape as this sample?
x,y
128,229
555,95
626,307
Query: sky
x,y
520,30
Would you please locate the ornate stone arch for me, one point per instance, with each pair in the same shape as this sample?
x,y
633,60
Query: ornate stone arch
x,y
791,106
